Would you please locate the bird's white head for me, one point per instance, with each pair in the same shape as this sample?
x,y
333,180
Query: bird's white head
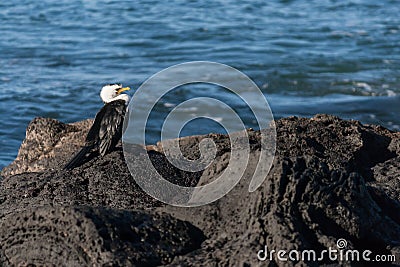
x,y
111,92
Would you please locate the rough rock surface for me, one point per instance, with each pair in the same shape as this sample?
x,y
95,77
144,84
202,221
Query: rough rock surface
x,y
76,236
330,179
47,140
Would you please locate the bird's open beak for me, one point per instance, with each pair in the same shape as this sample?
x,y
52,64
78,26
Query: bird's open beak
x,y
123,89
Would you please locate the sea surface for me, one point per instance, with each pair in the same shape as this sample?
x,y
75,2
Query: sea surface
x,y
307,56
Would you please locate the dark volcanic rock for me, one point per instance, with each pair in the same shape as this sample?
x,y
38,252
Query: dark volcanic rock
x,y
47,140
302,205
102,182
330,179
82,236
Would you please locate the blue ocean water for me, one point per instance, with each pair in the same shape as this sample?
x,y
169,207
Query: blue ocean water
x,y
308,56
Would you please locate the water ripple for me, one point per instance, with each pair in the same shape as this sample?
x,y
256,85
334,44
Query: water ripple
x,y
340,57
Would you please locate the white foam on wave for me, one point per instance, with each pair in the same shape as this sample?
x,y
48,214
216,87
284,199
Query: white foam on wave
x,y
342,34
367,90
394,126
391,93
217,119
364,86
169,105
191,109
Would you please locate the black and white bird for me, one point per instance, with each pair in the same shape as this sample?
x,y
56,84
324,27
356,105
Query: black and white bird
x,y
106,130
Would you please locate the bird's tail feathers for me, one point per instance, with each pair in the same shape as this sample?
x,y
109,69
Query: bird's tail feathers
x,y
80,158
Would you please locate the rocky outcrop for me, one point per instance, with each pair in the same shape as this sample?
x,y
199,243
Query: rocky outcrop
x,y
46,142
331,179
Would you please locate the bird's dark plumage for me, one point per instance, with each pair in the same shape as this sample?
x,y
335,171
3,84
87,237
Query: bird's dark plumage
x,y
104,134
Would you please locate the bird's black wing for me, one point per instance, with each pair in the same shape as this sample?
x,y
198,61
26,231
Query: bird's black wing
x,y
104,134
84,155
110,130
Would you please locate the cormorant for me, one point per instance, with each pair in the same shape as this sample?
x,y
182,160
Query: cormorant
x,y
106,130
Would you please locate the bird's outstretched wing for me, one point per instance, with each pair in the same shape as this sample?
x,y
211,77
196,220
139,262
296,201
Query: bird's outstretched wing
x,y
104,134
